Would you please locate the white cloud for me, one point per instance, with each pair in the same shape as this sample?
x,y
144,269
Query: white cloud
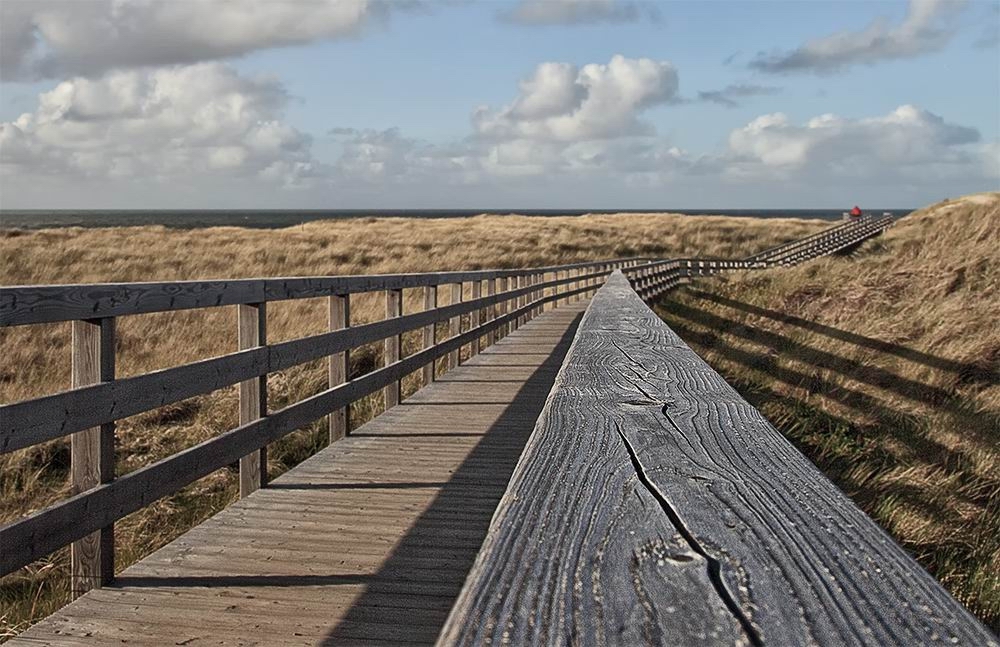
x,y
58,38
576,12
561,102
927,28
906,142
171,122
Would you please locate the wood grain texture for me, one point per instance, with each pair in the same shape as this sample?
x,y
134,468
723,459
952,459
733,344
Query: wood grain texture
x,y
366,543
653,505
252,333
340,318
92,453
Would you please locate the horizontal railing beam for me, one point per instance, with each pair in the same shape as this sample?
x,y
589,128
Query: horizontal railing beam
x,y
32,304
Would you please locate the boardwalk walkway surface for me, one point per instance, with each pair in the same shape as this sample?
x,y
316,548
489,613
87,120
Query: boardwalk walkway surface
x,y
367,542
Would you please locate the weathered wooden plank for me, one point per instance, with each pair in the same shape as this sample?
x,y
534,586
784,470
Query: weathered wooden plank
x,y
252,333
340,318
92,453
30,422
653,505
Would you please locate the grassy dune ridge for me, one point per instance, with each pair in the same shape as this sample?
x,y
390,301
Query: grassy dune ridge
x,y
36,358
884,368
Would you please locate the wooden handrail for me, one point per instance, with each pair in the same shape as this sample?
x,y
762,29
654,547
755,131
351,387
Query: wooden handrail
x,y
654,505
654,278
30,304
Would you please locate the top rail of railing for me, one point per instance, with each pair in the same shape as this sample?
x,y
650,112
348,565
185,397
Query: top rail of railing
x,y
32,304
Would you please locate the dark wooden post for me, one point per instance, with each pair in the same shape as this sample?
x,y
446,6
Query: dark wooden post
x,y
92,452
456,325
430,303
522,281
539,293
491,311
252,332
393,343
340,317
504,307
476,316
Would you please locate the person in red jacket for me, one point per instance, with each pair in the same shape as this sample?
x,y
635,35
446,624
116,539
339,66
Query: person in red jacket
x,y
856,212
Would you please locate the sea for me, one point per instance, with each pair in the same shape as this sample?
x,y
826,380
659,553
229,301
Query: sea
x,y
279,218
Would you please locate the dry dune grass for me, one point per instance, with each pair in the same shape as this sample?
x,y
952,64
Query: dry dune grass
x,y
884,368
36,358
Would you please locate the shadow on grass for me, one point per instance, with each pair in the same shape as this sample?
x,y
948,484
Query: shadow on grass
x,y
873,436
966,372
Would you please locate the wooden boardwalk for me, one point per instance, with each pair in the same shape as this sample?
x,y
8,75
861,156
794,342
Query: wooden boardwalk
x,y
367,542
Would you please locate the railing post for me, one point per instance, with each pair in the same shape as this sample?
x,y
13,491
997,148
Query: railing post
x,y
455,325
504,307
476,316
529,297
393,309
491,312
92,452
522,281
539,293
340,317
252,332
430,303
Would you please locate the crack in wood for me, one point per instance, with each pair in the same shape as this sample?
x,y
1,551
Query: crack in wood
x,y
713,565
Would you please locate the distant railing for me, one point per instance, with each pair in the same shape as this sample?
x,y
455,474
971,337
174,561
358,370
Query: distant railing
x,y
501,300
653,279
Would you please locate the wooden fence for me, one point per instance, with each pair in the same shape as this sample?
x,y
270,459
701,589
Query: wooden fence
x,y
88,412
653,505
654,278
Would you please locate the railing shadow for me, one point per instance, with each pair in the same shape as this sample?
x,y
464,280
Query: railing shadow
x,y
875,429
500,447
967,373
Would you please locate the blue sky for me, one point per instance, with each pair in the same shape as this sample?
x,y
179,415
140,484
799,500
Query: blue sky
x,y
581,103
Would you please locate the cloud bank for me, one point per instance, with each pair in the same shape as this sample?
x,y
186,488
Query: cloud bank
x,y
927,28
42,39
169,123
580,132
